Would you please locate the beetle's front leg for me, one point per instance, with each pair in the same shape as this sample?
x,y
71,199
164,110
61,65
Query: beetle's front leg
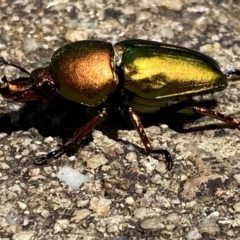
x,y
139,127
78,137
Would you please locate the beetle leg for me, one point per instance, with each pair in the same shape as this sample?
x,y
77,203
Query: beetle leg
x,y
80,135
233,122
212,126
139,127
233,75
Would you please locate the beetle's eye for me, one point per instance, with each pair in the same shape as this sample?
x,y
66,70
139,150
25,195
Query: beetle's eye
x,y
46,85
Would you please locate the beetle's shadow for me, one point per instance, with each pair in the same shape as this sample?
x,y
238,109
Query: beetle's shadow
x,y
56,117
61,117
177,120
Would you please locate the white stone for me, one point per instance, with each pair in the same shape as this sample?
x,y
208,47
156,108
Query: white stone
x,y
72,177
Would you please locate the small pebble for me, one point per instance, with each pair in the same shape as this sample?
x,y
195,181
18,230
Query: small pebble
x,y
193,234
101,206
79,215
45,213
60,225
230,233
25,235
22,205
34,172
25,152
48,139
3,135
72,177
209,225
112,228
173,218
153,223
129,200
31,45
131,156
76,35
96,161
236,207
161,167
140,213
237,177
81,203
4,166
172,5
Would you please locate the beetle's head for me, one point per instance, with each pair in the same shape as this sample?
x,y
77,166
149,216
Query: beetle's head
x,y
39,84
43,82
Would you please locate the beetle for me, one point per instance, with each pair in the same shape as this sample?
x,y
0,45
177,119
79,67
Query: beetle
x,y
146,75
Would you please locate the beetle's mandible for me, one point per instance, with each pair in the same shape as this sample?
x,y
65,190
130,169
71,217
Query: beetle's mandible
x,y
150,75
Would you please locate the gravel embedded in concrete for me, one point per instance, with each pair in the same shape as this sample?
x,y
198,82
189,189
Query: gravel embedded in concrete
x,y
132,196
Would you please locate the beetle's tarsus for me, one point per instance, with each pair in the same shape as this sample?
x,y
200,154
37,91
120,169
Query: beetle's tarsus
x,y
78,137
233,75
139,127
40,160
168,159
54,154
167,155
46,158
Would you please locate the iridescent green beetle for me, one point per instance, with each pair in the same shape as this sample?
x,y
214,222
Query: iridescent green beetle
x,y
150,75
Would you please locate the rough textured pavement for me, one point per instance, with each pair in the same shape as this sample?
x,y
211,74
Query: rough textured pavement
x,y
131,196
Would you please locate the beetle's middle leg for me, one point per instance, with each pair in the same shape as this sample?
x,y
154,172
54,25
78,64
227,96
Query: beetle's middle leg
x,y
139,127
79,135
229,121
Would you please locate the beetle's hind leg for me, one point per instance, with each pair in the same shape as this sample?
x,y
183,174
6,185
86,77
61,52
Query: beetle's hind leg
x,y
228,121
139,127
78,137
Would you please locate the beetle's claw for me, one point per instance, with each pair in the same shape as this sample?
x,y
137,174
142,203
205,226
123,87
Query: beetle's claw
x,y
2,61
41,160
3,82
54,154
169,164
45,158
167,155
168,159
233,75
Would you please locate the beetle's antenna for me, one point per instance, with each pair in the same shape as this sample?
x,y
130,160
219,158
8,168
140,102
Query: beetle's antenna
x,y
5,62
233,75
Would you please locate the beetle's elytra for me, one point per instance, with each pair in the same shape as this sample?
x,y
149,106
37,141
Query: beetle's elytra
x,y
150,75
